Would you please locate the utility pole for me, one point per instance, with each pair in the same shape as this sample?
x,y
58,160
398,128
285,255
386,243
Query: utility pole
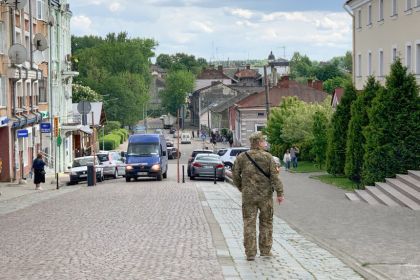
x,y
177,144
267,104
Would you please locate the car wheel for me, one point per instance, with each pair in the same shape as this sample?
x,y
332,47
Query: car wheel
x,y
222,179
228,165
165,175
115,173
159,177
192,178
127,179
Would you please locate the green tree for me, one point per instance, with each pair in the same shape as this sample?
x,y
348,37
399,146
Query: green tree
x,y
178,85
392,136
181,61
355,138
331,84
328,70
301,67
319,142
84,93
337,134
164,60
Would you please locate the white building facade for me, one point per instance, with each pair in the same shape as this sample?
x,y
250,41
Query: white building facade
x,y
382,31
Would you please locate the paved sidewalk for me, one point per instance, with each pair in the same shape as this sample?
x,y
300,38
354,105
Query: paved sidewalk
x,y
295,257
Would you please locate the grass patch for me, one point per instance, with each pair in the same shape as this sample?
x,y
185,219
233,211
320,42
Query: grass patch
x,y
306,167
339,181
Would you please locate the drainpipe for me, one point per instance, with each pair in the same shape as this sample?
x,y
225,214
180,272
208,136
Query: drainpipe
x,y
350,12
50,89
31,55
12,22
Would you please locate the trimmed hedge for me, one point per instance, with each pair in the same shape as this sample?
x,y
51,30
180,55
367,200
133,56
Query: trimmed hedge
x,y
111,142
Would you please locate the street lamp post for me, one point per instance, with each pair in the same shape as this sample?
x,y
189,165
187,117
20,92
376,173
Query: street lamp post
x,y
271,59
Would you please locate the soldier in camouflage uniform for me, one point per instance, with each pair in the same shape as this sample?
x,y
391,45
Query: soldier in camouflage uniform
x,y
257,194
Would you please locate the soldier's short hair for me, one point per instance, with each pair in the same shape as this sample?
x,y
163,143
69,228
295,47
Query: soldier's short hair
x,y
256,138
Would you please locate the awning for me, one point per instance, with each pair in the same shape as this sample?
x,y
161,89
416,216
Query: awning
x,y
86,129
18,121
4,121
69,127
30,118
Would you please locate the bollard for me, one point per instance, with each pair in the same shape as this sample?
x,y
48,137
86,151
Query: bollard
x,y
215,169
183,174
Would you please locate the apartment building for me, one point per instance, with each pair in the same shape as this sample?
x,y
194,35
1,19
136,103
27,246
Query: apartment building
x,y
382,31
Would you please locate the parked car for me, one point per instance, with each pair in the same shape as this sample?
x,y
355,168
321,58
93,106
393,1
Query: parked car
x,y
169,143
146,157
176,134
78,169
112,163
228,157
193,155
173,153
172,130
204,165
185,138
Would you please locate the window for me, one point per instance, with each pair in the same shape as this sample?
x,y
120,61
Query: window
x,y
359,65
418,58
259,127
369,63
28,93
42,90
408,57
40,9
394,54
260,114
381,10
2,37
369,19
359,17
381,63
3,97
394,8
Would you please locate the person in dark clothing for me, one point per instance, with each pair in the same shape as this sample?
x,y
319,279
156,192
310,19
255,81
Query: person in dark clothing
x,y
39,172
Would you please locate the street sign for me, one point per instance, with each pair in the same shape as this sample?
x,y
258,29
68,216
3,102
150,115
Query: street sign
x,y
84,107
59,140
22,133
55,126
46,127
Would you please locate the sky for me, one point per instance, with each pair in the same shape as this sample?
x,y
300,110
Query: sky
x,y
223,29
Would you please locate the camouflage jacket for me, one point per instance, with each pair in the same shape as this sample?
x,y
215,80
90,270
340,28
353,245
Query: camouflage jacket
x,y
250,181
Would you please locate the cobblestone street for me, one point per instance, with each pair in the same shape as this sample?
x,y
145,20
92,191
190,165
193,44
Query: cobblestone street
x,y
295,257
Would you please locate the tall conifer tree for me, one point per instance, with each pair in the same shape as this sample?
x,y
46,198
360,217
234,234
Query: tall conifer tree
x,y
355,138
393,133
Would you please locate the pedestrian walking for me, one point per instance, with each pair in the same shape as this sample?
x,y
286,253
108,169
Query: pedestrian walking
x,y
287,158
38,171
256,177
294,151
193,136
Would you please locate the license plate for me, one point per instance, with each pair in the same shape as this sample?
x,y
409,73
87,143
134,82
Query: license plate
x,y
142,173
208,166
83,176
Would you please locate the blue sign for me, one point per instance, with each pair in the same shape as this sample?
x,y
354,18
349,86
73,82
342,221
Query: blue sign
x,y
46,127
22,133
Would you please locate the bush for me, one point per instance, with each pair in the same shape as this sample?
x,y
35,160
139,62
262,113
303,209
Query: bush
x,y
120,135
110,142
111,126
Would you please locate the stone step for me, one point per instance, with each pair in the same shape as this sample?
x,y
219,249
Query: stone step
x,y
414,173
352,197
404,189
379,195
397,196
409,180
365,196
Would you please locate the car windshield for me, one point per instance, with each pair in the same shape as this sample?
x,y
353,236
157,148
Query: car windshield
x,y
82,161
201,152
143,149
207,158
222,152
237,152
103,157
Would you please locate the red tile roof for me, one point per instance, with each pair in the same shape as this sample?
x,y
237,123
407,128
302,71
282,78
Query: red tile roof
x,y
247,73
282,90
212,74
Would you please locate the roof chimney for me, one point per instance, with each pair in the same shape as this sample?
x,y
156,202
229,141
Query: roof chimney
x,y
310,82
318,85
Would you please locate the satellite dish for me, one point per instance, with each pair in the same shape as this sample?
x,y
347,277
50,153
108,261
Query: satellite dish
x,y
18,54
38,57
40,42
51,20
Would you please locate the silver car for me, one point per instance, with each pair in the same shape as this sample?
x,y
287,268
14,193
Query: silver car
x,y
204,165
112,163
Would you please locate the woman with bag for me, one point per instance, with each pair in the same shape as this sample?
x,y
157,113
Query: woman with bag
x,y
39,172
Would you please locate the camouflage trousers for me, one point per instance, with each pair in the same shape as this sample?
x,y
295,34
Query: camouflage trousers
x,y
249,215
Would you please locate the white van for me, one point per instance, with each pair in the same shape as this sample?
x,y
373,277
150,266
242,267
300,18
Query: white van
x,y
185,138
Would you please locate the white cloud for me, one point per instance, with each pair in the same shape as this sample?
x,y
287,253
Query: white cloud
x,y
202,26
242,13
115,7
81,25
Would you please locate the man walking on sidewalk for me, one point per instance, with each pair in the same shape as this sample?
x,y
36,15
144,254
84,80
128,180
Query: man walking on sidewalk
x,y
256,176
